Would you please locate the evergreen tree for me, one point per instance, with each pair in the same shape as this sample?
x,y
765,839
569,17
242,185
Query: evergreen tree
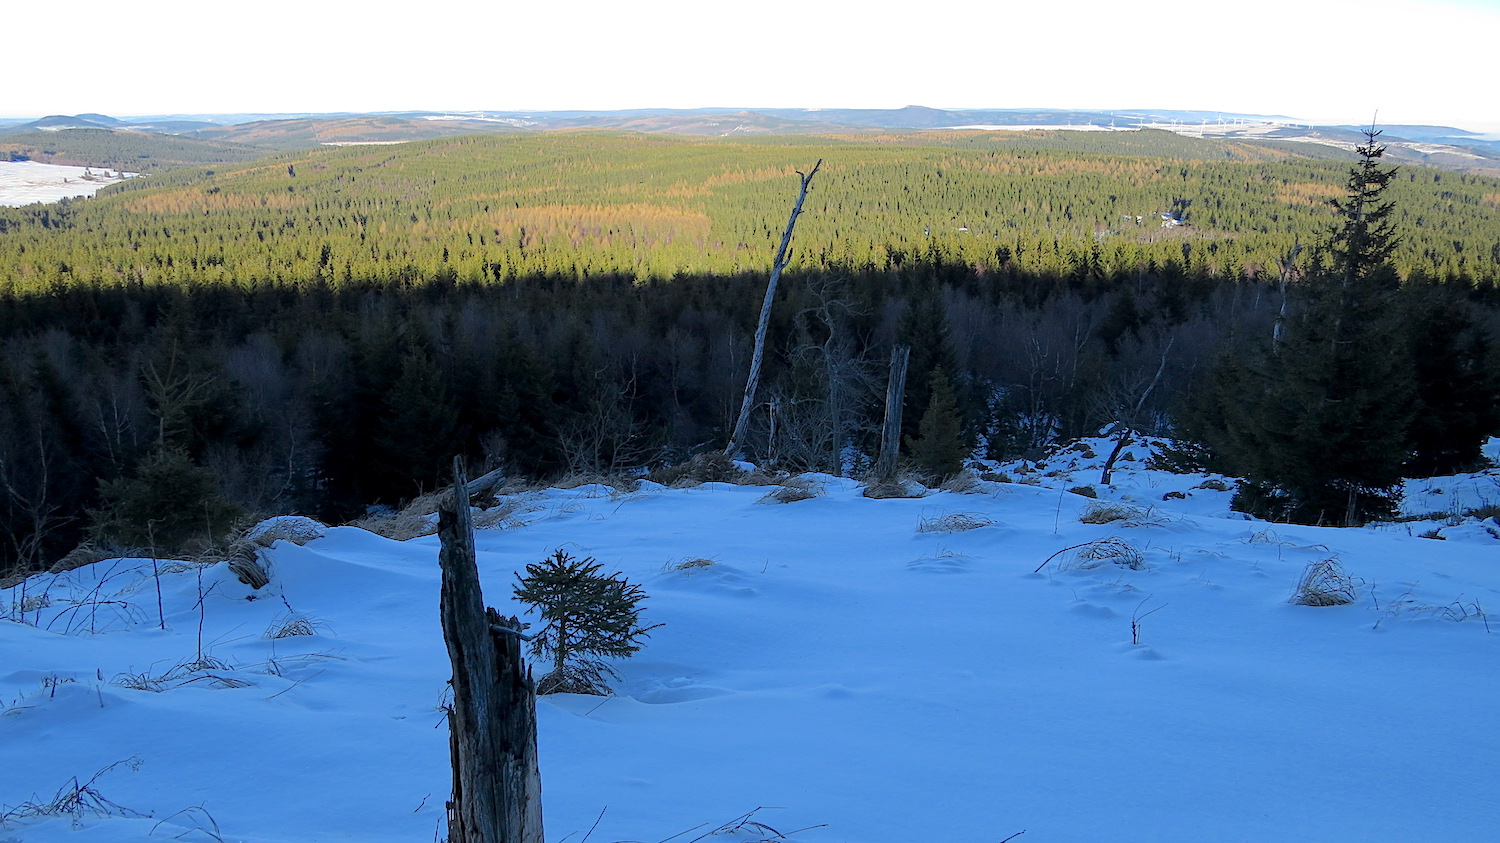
x,y
1458,388
170,505
1317,422
586,615
940,449
924,329
417,431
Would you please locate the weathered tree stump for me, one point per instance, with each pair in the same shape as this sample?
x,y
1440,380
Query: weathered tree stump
x,y
497,786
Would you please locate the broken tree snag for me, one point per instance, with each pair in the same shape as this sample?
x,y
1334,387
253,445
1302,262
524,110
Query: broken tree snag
x,y
895,397
752,383
485,483
497,786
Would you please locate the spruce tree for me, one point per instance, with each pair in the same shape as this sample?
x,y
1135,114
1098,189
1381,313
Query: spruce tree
x,y
1316,423
171,505
587,616
1458,387
939,451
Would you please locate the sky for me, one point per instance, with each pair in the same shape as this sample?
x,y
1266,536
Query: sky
x,y
1327,61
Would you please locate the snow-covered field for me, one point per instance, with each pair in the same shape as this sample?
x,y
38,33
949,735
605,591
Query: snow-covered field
x,y
25,182
858,670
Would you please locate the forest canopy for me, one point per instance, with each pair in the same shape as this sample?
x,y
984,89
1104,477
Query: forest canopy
x,y
484,209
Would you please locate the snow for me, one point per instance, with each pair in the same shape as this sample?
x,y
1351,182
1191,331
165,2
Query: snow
x,y
26,182
854,676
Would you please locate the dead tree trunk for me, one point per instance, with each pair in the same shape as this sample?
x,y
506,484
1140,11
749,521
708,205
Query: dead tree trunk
x,y
752,383
895,397
497,787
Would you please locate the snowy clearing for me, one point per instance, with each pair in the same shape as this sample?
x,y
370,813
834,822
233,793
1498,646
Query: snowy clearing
x,y
26,182
869,671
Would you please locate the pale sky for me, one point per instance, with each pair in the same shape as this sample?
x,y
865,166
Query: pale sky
x,y
1329,61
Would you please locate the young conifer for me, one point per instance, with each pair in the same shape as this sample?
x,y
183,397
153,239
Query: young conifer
x,y
939,451
587,617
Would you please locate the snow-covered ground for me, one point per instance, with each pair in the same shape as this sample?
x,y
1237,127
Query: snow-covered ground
x,y
858,670
25,182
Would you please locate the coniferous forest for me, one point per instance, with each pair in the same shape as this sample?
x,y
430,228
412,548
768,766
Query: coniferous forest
x,y
321,331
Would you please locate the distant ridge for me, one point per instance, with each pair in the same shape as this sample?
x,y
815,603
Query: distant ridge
x,y
1438,146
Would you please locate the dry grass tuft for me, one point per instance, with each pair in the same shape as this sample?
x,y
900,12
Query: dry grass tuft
x,y
1096,554
1324,583
86,553
895,489
293,626
1110,551
1128,515
1108,512
688,565
761,477
418,518
615,484
791,490
954,522
297,529
504,515
702,468
245,563
965,482
76,800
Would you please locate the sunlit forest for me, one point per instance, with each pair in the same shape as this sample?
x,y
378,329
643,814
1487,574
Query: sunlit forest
x,y
1078,206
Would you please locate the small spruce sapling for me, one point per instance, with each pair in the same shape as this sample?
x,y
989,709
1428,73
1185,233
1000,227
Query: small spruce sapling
x,y
587,617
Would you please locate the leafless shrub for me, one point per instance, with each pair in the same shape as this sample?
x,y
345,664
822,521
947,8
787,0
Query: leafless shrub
x,y
954,522
1324,583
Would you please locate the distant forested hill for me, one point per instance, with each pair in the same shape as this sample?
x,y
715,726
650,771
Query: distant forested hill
x,y
303,133
129,151
1086,207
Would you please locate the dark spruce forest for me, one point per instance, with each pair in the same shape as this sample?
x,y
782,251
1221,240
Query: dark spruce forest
x,y
242,333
